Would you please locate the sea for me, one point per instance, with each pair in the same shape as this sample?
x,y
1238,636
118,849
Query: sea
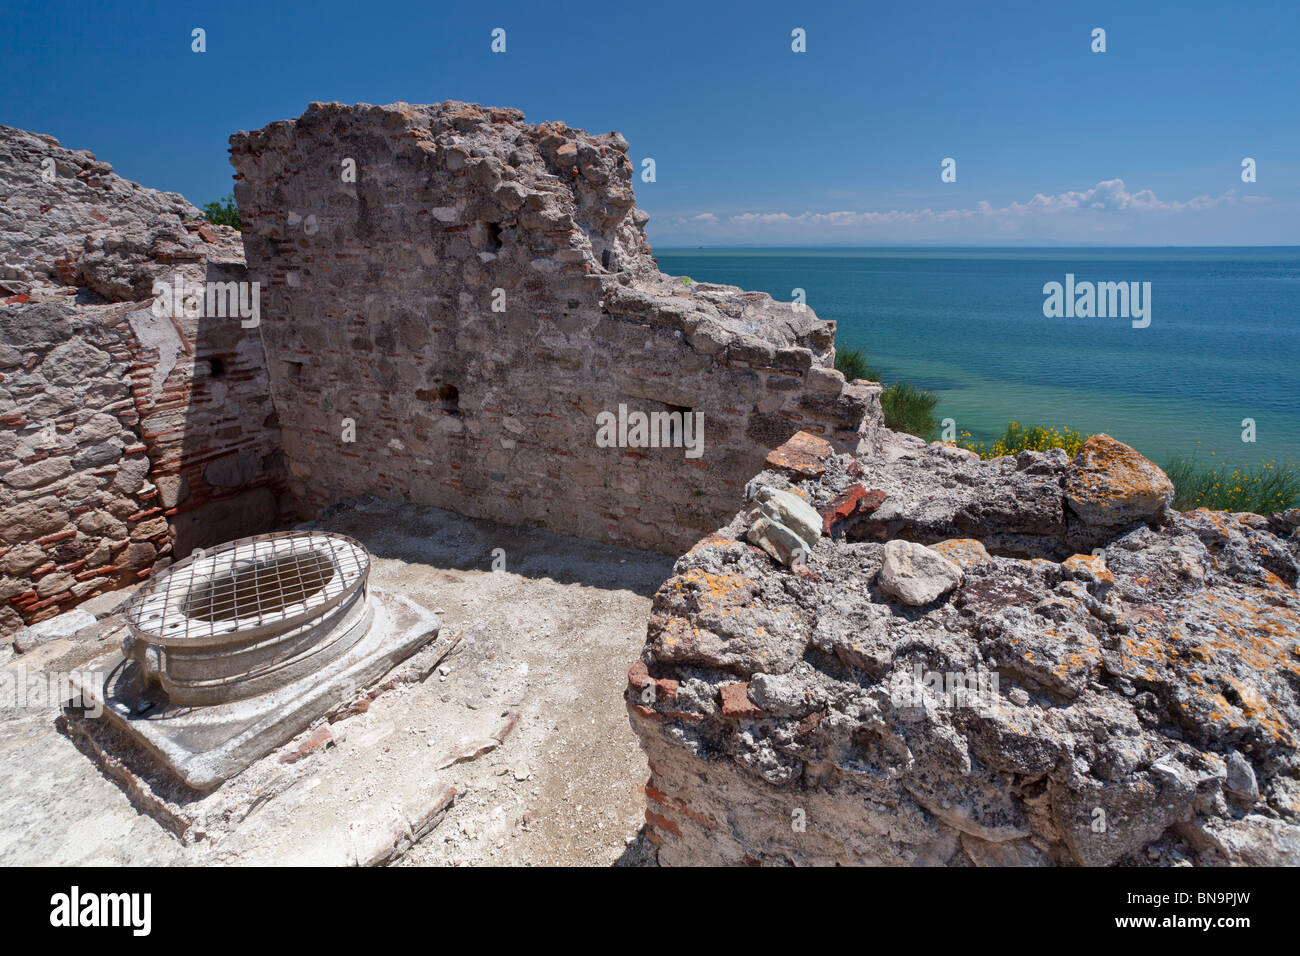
x,y
1214,363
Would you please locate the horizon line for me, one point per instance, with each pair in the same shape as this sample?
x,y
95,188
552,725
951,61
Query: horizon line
x,y
1053,244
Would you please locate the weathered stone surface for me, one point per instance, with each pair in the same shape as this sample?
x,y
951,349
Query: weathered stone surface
x,y
1139,706
783,525
65,625
88,228
478,296
1014,506
103,401
1110,485
915,574
963,552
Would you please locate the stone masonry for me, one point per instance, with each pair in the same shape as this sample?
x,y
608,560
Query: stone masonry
x,y
468,292
128,437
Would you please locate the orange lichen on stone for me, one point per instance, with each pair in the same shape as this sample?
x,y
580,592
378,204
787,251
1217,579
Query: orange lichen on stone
x,y
1224,646
1109,483
1091,566
716,587
964,552
714,540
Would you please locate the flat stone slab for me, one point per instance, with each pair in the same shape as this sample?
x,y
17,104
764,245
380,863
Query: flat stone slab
x,y
205,746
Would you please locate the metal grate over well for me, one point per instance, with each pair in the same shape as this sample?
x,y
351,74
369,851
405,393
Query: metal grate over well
x,y
266,584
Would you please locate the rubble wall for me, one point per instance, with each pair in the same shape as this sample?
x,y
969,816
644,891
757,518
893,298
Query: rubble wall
x,y
129,437
452,298
944,682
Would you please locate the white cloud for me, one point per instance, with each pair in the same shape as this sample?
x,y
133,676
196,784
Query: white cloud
x,y
1110,196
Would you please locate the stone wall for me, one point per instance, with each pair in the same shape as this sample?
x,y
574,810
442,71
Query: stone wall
x,y
944,682
469,292
77,512
129,437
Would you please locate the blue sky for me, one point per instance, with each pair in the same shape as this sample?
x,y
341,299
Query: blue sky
x,y
753,143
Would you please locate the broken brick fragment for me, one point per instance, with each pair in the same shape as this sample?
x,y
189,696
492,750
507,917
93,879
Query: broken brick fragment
x,y
638,677
803,456
319,740
853,500
736,702
660,822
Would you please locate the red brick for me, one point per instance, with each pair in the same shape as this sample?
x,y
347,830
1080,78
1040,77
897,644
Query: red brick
x,y
638,676
662,823
96,572
803,456
736,702
57,536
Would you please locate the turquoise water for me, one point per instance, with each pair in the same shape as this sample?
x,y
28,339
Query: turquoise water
x,y
968,324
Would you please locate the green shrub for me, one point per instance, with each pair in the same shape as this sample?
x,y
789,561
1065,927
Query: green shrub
x,y
853,364
910,409
222,212
1018,438
1263,490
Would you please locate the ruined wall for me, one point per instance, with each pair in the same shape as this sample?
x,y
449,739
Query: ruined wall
x,y
128,438
380,295
945,683
77,513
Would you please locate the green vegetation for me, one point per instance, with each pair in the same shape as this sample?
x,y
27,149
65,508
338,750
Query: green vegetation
x,y
910,409
853,364
1263,490
907,408
222,212
1018,438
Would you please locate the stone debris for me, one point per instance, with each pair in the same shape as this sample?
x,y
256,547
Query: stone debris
x,y
1111,485
784,526
954,683
915,574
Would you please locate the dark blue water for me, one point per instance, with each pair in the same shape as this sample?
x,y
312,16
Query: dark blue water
x,y
1223,344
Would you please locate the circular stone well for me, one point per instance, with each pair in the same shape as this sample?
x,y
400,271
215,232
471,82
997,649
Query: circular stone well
x,y
250,616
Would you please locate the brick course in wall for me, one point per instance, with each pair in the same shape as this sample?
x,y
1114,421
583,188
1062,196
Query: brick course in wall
x,y
128,438
77,512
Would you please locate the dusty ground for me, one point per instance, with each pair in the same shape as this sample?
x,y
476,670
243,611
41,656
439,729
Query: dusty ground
x,y
549,637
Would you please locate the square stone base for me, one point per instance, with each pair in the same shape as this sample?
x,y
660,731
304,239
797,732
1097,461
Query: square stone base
x,y
205,746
